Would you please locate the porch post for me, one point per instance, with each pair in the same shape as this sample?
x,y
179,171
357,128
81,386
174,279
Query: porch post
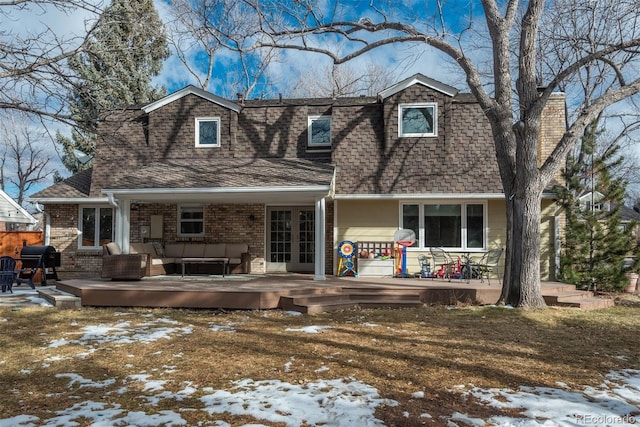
x,y
122,208
320,240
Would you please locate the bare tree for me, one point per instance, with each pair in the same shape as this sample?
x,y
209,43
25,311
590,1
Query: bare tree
x,y
342,80
210,35
24,161
512,99
33,74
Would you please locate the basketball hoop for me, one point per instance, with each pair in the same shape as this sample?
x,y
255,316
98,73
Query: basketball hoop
x,y
404,238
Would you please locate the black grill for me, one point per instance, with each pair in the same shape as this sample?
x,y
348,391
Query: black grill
x,y
41,258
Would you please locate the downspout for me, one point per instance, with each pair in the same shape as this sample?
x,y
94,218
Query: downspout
x,y
47,224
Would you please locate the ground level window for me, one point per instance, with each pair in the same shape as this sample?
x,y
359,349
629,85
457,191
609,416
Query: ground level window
x,y
191,220
96,226
447,225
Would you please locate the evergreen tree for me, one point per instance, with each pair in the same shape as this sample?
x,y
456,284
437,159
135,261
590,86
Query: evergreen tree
x,y
125,52
596,244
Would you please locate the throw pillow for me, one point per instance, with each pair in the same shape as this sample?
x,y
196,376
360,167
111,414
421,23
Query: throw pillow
x,y
159,249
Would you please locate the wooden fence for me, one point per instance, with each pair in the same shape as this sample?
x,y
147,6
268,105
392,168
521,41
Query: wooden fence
x,y
11,243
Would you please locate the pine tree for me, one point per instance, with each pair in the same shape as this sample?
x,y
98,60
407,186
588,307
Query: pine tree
x,y
125,52
596,244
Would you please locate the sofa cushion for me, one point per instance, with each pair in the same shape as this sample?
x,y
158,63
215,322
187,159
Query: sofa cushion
x,y
163,261
235,250
142,248
193,250
173,250
215,250
113,248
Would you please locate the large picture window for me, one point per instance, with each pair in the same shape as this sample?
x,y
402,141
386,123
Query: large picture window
x,y
319,132
208,132
460,226
96,226
191,220
417,120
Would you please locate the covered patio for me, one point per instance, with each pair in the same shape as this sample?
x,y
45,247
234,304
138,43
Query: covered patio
x,y
300,292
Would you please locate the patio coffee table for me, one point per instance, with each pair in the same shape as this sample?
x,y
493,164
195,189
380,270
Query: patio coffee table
x,y
223,261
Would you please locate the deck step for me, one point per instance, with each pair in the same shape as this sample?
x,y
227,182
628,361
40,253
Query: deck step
x,y
319,303
586,303
58,298
563,295
315,308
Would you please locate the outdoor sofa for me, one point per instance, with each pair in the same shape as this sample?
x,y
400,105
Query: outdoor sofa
x,y
168,258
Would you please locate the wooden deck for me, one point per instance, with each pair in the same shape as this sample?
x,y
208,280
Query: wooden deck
x,y
301,293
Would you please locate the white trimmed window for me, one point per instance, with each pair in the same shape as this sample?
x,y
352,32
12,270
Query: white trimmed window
x,y
191,220
96,226
457,226
319,132
417,120
208,132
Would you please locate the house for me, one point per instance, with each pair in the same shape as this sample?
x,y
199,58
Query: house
x,y
293,178
12,215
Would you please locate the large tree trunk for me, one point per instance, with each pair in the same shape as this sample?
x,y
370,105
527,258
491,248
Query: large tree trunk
x,y
522,285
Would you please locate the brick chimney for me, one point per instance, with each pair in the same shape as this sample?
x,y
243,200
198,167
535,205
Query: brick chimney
x,y
553,125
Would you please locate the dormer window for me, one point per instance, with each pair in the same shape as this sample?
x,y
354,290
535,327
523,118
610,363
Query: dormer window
x,y
208,132
319,132
417,120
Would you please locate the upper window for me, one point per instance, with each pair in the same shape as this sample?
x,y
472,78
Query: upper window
x,y
208,132
417,120
96,227
191,220
319,132
452,225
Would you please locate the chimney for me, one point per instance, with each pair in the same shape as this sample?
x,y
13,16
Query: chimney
x,y
240,97
553,125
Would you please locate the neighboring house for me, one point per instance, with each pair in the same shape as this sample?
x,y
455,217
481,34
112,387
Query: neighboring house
x,y
12,215
594,200
293,177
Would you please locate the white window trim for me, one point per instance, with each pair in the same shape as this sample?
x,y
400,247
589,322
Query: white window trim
x,y
433,105
96,236
463,236
179,233
310,142
207,119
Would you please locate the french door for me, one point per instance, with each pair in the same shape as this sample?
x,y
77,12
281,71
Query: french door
x,y
290,239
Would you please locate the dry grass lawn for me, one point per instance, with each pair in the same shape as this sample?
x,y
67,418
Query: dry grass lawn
x,y
399,352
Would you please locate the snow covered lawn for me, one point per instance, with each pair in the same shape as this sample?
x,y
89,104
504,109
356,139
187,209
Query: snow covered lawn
x,y
151,368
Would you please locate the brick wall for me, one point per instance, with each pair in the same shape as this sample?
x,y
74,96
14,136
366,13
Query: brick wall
x,y
553,125
224,223
64,235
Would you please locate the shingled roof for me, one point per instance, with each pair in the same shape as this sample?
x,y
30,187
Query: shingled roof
x,y
76,186
228,173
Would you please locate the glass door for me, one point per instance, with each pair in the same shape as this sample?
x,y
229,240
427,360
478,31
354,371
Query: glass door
x,y
291,239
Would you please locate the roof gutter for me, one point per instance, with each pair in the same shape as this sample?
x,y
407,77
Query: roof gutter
x,y
67,200
110,192
421,196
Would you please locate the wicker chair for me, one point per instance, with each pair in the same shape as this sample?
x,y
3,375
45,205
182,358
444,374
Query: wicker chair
x,y
119,266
